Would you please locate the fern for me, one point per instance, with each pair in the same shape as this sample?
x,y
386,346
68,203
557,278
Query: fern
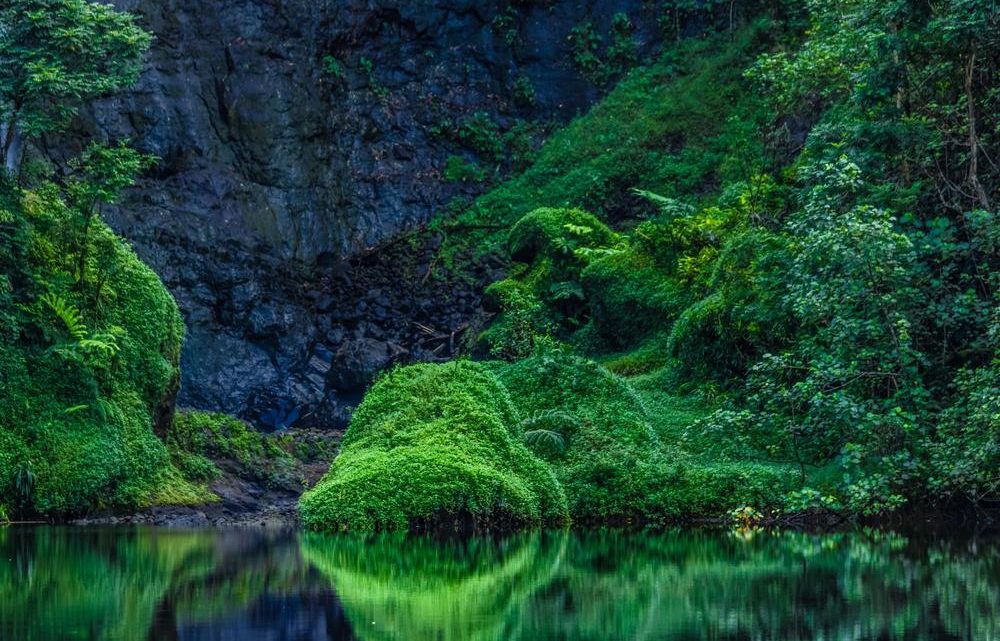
x,y
544,431
68,314
566,290
545,441
76,409
669,207
104,345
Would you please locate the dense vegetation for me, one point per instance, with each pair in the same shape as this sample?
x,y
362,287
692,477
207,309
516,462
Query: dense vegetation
x,y
784,238
761,275
90,338
429,445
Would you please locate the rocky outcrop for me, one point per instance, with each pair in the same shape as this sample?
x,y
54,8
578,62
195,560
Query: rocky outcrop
x,y
298,138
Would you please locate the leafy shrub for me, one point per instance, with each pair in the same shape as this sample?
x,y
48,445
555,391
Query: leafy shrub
x,y
432,444
198,438
523,320
78,419
965,456
459,169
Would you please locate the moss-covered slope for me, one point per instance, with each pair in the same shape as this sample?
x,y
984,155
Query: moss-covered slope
x,y
88,366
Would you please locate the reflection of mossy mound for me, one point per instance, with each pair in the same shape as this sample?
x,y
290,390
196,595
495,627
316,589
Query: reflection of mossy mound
x,y
396,587
428,444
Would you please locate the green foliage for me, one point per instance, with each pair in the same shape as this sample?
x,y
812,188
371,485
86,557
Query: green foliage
x,y
432,444
524,92
594,429
374,84
586,52
668,128
523,321
965,455
68,314
459,169
196,439
333,67
80,383
57,54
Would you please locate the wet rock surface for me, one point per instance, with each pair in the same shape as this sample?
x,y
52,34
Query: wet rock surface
x,y
300,138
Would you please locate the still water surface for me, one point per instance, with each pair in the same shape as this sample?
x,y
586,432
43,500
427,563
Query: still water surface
x,y
257,585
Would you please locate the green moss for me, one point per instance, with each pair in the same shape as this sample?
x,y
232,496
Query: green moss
x,y
663,128
611,459
77,424
556,233
613,463
631,297
428,444
197,439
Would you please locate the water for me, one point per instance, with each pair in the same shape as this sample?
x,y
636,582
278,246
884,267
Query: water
x,y
248,585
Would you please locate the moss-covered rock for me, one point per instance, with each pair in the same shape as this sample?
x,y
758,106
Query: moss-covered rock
x,y
431,444
556,232
76,414
609,460
630,297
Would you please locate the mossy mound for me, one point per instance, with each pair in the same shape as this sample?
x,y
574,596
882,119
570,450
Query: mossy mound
x,y
610,458
431,444
556,231
607,456
76,415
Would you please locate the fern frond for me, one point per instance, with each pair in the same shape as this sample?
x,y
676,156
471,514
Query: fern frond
x,y
75,409
566,290
103,345
668,206
545,441
550,419
106,410
68,314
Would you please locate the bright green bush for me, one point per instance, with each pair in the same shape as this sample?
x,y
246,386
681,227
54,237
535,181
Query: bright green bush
x,y
557,233
431,444
77,406
610,460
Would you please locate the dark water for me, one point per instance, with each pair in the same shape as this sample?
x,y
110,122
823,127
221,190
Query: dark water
x,y
249,585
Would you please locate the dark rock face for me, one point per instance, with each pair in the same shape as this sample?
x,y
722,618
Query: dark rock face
x,y
299,136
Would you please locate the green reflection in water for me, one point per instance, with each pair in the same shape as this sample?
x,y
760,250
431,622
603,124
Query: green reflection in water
x,y
608,586
123,584
119,585
398,587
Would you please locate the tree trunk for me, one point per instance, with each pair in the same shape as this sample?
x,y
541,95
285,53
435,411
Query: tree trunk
x,y
970,99
12,146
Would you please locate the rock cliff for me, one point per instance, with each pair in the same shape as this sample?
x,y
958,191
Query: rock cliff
x,y
298,139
